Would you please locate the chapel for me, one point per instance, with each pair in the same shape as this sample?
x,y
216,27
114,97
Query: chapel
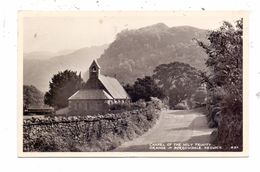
x,y
98,93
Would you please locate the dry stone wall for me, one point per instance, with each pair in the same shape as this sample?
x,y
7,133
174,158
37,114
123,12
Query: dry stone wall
x,y
87,133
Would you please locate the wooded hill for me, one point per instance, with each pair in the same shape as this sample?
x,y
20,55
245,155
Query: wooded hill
x,y
136,53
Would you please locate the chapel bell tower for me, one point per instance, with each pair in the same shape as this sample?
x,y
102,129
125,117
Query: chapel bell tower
x,y
94,70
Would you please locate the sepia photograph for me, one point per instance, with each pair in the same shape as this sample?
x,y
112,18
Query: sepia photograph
x,y
132,83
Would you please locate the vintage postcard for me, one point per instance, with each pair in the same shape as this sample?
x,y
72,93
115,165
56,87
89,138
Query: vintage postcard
x,y
133,84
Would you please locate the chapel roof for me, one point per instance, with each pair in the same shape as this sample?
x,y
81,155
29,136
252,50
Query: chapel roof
x,y
114,88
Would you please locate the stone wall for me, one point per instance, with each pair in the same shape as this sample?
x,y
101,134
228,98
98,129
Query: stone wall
x,y
87,133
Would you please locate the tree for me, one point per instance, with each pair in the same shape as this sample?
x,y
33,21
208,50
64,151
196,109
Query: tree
x,y
32,96
225,55
225,61
144,88
179,80
61,87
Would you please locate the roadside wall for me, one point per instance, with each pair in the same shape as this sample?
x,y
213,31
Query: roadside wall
x,y
87,133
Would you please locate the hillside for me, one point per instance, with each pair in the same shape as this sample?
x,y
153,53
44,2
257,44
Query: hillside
x,y
133,54
38,71
136,53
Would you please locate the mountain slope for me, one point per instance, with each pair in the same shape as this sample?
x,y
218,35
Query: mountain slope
x,y
39,71
136,53
133,54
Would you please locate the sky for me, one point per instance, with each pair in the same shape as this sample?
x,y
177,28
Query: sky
x,y
59,32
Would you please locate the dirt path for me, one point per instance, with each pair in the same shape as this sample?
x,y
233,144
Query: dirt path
x,y
189,126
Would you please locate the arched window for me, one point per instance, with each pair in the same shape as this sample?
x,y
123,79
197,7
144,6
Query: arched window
x,y
94,69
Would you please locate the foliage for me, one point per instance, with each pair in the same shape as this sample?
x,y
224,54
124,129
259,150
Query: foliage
x,y
224,82
181,106
179,80
61,87
140,103
199,97
119,106
144,88
32,96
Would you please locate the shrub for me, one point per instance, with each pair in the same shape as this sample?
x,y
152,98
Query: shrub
x,y
230,128
199,97
120,106
182,106
140,103
214,106
128,106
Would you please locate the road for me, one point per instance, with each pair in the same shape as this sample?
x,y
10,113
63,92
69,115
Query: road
x,y
173,126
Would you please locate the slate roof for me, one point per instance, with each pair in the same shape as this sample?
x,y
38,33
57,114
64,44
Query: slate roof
x,y
114,88
91,94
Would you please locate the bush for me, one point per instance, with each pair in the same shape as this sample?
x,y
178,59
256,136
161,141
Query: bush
x,y
127,106
140,103
182,106
230,128
120,106
199,98
214,106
